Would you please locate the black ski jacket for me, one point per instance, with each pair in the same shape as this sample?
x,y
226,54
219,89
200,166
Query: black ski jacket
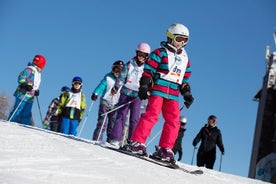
x,y
209,137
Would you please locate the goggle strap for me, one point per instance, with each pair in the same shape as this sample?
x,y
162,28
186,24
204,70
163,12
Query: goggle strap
x,y
170,35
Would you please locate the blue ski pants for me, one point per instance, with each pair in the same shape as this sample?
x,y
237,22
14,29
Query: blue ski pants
x,y
23,113
69,126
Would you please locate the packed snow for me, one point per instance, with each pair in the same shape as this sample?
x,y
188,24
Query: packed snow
x,y
33,155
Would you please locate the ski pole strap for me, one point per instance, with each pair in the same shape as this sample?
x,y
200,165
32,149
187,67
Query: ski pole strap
x,y
119,107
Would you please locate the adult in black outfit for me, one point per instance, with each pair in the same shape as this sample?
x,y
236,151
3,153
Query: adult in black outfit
x,y
210,136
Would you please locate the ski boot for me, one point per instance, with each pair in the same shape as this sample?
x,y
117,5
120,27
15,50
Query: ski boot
x,y
135,148
164,155
115,144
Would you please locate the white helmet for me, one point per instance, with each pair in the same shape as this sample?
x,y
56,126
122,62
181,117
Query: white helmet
x,y
143,47
183,120
178,29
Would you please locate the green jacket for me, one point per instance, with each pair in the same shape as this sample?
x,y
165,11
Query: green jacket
x,y
71,112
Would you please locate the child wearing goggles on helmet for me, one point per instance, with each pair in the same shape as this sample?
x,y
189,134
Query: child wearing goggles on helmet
x,y
28,87
71,107
129,80
166,73
107,102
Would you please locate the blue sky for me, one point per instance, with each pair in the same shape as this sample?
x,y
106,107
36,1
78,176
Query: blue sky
x,y
226,48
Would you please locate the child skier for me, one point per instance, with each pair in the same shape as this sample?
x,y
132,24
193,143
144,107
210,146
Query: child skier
x,y
28,87
71,107
165,74
107,102
52,121
129,77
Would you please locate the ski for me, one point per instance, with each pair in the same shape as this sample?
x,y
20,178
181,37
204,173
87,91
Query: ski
x,y
195,172
175,166
149,158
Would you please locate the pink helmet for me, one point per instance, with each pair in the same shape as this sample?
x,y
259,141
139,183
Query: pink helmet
x,y
143,47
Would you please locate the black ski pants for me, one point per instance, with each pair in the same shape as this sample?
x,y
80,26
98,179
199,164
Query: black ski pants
x,y
206,159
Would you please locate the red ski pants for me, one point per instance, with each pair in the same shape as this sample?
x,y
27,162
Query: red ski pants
x,y
171,112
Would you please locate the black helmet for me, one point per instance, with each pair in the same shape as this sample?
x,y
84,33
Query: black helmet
x,y
212,117
118,63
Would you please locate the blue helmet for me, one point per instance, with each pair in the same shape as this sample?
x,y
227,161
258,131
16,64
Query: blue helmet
x,y
65,88
77,79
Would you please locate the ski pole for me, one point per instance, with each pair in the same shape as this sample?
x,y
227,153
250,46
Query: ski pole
x,y
119,107
220,162
39,110
159,132
192,162
98,138
182,107
17,107
85,119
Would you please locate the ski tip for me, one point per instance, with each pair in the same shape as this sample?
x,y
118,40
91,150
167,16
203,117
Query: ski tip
x,y
198,172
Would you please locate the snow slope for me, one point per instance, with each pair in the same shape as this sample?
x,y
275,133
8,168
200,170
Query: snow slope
x,y
32,155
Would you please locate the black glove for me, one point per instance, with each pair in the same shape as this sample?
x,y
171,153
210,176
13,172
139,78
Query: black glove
x,y
188,100
94,97
27,87
145,82
143,92
188,97
36,92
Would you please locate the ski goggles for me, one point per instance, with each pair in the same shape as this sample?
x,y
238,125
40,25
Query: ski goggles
x,y
142,54
180,39
117,69
77,83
